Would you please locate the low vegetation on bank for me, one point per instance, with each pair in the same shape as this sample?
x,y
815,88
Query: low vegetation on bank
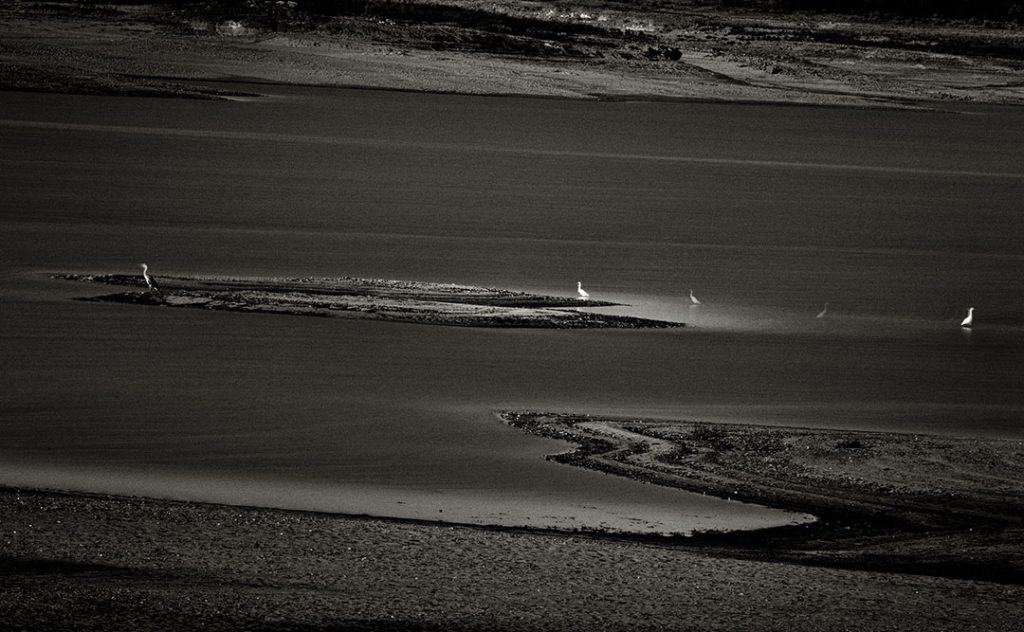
x,y
854,52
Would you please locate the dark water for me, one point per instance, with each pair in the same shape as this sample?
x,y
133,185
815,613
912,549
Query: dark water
x,y
900,220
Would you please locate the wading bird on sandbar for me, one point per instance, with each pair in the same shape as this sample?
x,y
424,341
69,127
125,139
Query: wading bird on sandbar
x,y
583,293
693,299
969,321
150,281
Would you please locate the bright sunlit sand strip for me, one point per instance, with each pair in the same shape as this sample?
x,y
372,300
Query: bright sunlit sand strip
x,y
614,505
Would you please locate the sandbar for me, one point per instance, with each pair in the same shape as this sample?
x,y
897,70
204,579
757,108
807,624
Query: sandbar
x,y
372,299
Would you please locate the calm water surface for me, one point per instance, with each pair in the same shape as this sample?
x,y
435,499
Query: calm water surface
x,y
900,220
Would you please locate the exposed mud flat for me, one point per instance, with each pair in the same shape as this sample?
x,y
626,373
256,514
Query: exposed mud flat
x,y
917,503
375,299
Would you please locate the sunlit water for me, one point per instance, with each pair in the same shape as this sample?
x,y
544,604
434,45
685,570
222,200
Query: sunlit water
x,y
899,220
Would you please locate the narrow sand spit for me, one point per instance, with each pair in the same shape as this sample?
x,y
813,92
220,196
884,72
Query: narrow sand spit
x,y
918,503
376,299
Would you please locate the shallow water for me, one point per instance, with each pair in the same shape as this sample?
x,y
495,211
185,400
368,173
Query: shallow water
x,y
899,220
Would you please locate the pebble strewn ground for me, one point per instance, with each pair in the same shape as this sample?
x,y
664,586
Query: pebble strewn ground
x,y
98,563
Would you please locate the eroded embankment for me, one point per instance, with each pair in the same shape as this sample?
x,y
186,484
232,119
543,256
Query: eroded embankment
x,y
886,501
375,299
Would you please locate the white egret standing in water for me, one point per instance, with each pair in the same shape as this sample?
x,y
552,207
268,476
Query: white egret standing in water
x,y
693,299
823,311
149,280
969,321
579,290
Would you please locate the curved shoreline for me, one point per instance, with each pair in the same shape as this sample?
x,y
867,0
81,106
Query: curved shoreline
x,y
959,531
130,563
885,501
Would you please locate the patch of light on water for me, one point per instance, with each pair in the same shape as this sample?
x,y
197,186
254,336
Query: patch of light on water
x,y
728,315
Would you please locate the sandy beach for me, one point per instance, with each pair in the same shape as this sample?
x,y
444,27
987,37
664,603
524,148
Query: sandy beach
x,y
129,563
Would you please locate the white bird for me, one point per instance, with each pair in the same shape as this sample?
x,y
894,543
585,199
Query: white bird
x,y
583,293
693,299
150,282
969,321
823,311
